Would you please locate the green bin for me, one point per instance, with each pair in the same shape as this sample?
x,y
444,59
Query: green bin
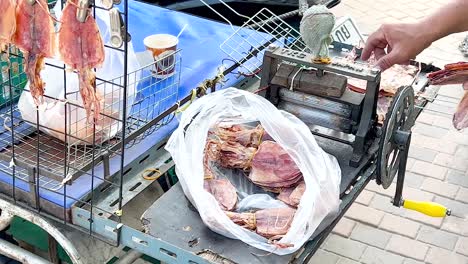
x,y
13,75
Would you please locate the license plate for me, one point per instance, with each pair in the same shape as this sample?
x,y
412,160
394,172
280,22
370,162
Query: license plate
x,y
346,31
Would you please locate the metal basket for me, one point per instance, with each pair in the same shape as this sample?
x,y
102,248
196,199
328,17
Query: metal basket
x,y
246,46
46,162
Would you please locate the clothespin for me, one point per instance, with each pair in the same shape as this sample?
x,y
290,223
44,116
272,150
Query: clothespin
x,y
107,4
82,11
303,6
117,29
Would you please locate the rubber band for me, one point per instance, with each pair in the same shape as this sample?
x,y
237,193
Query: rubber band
x,y
261,136
152,178
181,109
249,162
208,177
5,125
204,87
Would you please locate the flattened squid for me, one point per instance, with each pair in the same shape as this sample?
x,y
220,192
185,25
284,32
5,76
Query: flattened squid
x,y
454,73
7,22
82,49
35,37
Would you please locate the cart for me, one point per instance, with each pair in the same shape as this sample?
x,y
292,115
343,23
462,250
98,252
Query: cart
x,y
83,204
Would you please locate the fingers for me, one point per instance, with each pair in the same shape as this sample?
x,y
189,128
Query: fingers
x,y
465,86
379,53
387,61
375,40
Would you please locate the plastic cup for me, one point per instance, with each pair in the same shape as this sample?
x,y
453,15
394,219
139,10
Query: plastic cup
x,y
162,47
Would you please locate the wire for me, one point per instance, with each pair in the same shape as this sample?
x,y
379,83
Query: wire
x,y
239,73
257,71
261,89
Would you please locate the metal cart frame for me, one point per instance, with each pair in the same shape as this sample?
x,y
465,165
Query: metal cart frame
x,y
108,227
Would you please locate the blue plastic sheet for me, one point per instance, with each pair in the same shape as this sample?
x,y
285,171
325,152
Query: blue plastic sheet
x,y
201,57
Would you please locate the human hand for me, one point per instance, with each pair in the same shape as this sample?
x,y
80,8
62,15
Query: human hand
x,y
402,42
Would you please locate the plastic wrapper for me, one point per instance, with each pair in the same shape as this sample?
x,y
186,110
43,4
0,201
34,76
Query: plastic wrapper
x,y
52,113
321,172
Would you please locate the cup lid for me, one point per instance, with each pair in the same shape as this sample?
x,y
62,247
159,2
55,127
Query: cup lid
x,y
161,41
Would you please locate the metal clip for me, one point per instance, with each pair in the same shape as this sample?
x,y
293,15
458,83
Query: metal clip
x,y
303,6
82,11
107,4
115,28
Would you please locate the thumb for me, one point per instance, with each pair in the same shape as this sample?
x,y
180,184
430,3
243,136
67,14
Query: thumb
x,y
465,85
387,61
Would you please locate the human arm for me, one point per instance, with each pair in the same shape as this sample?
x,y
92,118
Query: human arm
x,y
405,41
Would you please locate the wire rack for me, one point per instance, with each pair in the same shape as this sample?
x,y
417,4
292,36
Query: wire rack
x,y
46,156
246,46
75,152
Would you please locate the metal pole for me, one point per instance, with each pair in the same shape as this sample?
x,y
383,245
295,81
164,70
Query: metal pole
x,y
36,219
5,220
131,256
19,254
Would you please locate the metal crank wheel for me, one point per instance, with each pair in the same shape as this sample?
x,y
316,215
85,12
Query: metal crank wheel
x,y
393,143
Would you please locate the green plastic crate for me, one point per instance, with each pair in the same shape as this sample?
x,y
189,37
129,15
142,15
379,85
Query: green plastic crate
x,y
16,75
35,236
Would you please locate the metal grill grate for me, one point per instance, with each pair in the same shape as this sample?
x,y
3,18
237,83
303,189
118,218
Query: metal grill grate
x,y
248,43
61,156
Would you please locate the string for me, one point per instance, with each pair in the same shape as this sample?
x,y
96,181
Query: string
x,y
55,19
47,12
249,162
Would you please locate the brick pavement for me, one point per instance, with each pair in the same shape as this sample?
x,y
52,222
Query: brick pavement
x,y
373,231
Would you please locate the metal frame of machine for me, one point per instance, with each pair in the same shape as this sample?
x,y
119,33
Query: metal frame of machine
x,y
362,120
354,180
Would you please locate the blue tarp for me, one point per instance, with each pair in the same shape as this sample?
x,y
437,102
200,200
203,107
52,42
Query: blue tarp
x,y
201,56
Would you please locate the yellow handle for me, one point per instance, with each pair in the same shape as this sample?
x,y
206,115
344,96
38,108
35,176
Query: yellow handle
x,y
427,208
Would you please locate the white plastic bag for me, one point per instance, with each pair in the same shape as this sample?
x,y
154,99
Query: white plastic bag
x,y
52,112
320,170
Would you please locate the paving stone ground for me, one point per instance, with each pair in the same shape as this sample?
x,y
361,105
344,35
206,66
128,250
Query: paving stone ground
x,y
373,231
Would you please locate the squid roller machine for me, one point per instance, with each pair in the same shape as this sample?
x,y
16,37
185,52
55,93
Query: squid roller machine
x,y
345,122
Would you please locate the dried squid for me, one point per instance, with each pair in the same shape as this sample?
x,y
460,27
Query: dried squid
x,y
271,223
82,49
35,37
7,22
